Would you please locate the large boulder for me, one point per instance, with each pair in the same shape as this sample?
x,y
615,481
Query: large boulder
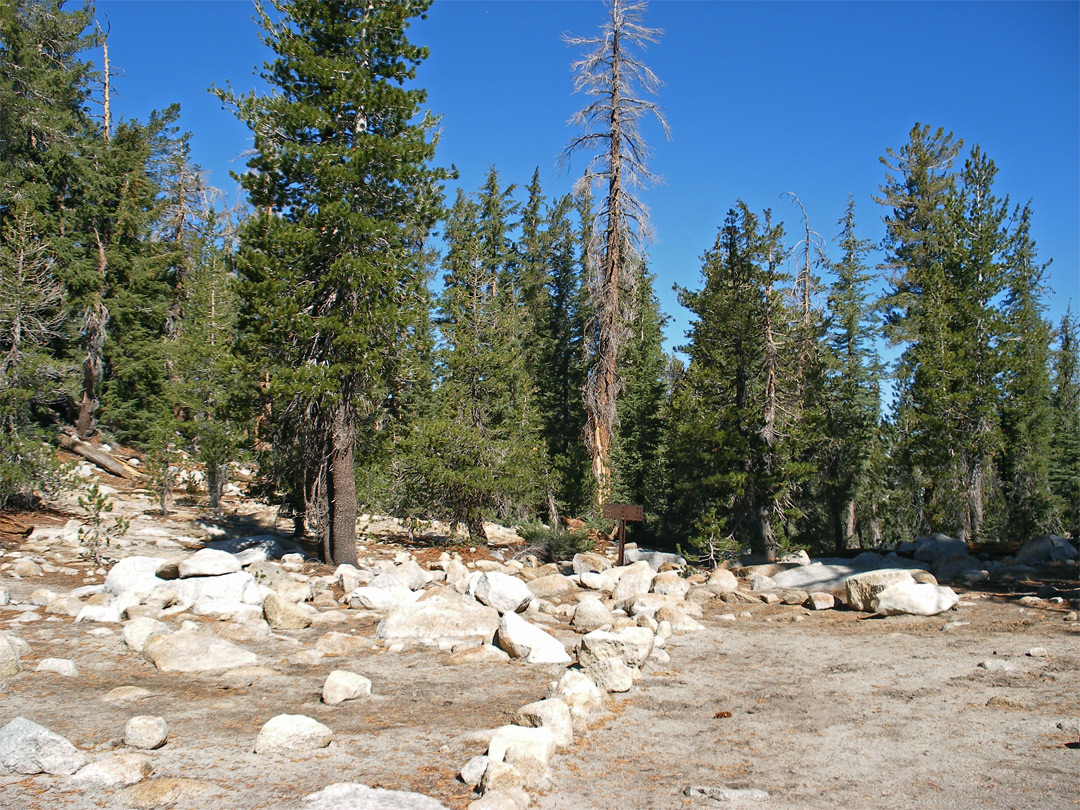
x,y
191,651
26,747
138,574
551,585
589,561
354,796
522,639
938,547
1048,548
592,614
862,588
503,592
915,598
581,696
446,615
283,614
631,645
634,580
219,594
510,741
368,598
655,559
208,562
551,713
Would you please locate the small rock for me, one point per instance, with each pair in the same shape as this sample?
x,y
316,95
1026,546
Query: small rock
x,y
164,792
342,685
145,731
289,733
611,675
819,600
119,769
1037,652
522,639
998,665
726,794
473,771
9,657
140,630
61,666
126,694
1003,702
914,598
208,562
354,796
283,614
591,614
553,714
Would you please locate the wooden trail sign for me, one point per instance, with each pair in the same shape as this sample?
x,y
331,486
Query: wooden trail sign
x,y
623,512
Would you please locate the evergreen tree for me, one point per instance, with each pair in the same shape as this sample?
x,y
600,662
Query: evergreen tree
x,y
1065,441
1027,415
331,260
852,390
479,455
727,457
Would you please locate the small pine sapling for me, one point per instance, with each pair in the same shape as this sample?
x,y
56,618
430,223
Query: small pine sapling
x,y
100,532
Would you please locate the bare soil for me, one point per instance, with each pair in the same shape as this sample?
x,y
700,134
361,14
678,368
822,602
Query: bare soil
x,y
820,710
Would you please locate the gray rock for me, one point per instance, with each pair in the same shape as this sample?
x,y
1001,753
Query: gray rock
x,y
938,547
761,582
473,771
368,598
190,651
282,614
722,580
522,639
289,733
611,675
631,645
446,615
551,585
958,566
146,731
501,776
116,770
581,696
591,614
551,713
726,794
655,559
914,598
821,601
1048,548
670,583
482,654
588,561
354,796
535,742
26,747
140,630
9,657
209,562
136,574
633,580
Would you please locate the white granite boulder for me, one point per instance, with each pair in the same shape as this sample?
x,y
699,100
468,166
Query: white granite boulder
x,y
551,585
631,645
588,561
503,592
915,598
117,770
862,588
592,614
522,639
446,615
510,741
354,796
283,614
342,685
552,713
611,675
191,651
138,574
26,747
146,731
292,733
10,661
634,580
581,696
208,562
140,630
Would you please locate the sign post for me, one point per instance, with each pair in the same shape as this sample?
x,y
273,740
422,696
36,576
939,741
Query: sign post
x,y
623,512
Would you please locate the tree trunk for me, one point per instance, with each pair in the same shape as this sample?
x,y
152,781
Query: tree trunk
x,y
94,323
342,485
851,539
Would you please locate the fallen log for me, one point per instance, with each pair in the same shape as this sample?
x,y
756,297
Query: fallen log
x,y
98,457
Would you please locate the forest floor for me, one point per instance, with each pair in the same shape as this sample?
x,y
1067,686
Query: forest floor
x,y
978,708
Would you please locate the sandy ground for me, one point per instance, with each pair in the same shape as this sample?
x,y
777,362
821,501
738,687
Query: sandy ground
x,y
818,710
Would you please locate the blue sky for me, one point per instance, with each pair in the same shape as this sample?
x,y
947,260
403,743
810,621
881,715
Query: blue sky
x,y
762,98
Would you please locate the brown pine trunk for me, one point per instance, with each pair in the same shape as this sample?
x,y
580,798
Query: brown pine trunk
x,y
851,539
342,486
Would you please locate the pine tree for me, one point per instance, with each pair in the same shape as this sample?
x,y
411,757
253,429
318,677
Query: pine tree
x,y
479,454
852,389
727,458
331,261
619,84
1065,441
1026,417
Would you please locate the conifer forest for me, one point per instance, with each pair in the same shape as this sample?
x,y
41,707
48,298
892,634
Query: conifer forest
x,y
369,343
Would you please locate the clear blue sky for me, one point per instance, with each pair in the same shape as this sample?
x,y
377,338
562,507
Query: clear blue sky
x,y
762,98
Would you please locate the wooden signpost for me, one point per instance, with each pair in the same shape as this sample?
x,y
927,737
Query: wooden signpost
x,y
623,512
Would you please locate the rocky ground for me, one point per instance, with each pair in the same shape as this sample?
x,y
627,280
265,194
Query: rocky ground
x,y
643,689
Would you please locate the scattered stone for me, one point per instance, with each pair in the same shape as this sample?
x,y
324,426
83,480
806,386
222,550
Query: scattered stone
x,y
1003,702
914,598
760,582
552,714
1037,652
631,645
592,614
140,630
998,665
655,559
1048,548
634,580
611,675
477,654
116,770
335,644
283,614
164,792
342,685
61,666
500,776
473,771
9,657
354,796
522,639
26,747
26,567
191,651
551,585
146,731
938,547
289,733
769,597
510,740
722,580
726,794
209,562
126,694
819,600
588,561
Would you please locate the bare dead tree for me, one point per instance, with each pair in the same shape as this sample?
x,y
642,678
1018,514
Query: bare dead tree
x,y
618,84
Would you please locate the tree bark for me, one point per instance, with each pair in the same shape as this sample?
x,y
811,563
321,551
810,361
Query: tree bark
x,y
342,486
